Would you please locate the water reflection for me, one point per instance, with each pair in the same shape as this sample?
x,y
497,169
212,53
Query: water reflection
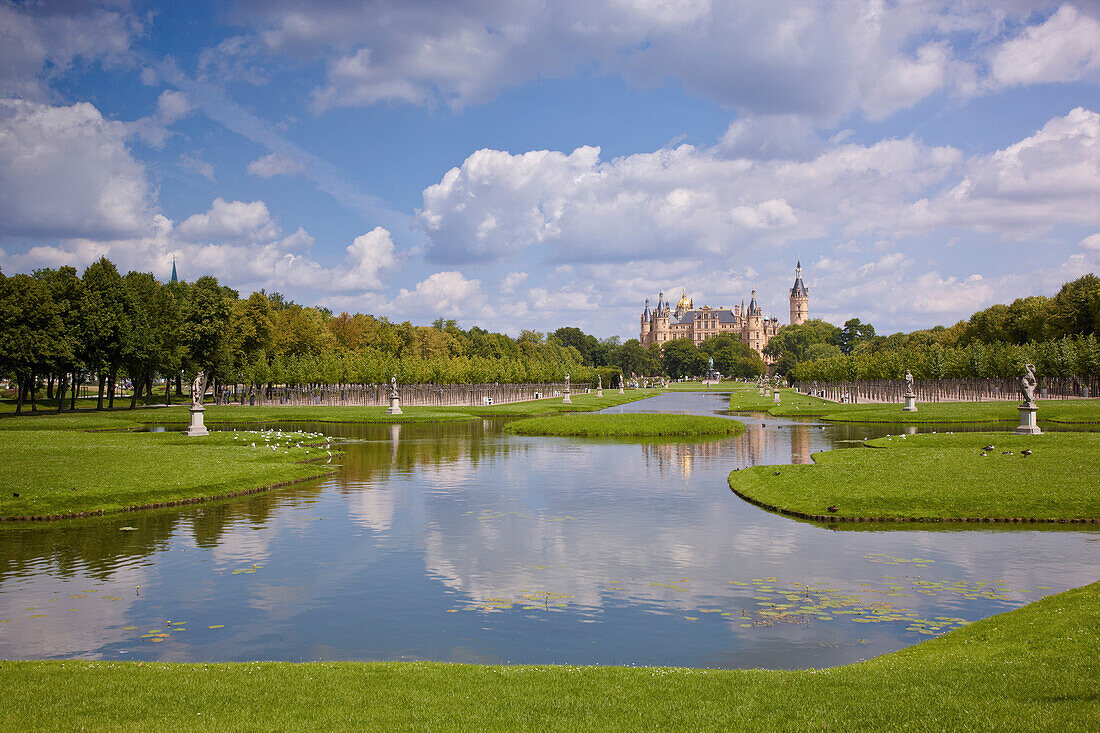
x,y
455,541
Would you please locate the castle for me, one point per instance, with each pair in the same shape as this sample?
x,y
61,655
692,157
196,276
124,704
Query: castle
x,y
698,324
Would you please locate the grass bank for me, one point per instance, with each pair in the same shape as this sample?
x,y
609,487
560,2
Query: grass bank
x,y
939,476
794,404
238,414
1035,668
70,472
628,425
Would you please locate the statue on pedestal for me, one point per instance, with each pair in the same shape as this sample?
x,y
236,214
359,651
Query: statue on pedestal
x,y
198,389
393,386
909,382
1027,386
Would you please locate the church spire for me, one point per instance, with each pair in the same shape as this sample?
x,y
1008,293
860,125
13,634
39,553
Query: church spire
x,y
173,279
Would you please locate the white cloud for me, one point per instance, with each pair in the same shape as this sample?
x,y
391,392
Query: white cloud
x,y
235,221
39,42
66,171
367,256
196,164
1091,242
512,282
274,164
1063,48
814,60
448,294
1051,177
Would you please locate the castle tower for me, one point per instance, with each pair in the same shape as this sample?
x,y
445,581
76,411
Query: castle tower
x,y
800,298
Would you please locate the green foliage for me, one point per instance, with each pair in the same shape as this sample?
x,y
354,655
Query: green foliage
x,y
680,358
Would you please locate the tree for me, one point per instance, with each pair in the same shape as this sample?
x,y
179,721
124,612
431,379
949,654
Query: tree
x,y
66,292
682,359
205,329
32,336
1076,307
853,333
794,341
104,323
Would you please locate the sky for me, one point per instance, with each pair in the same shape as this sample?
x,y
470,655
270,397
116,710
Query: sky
x,y
527,164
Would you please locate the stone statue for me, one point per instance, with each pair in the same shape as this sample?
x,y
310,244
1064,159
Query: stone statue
x,y
567,382
710,363
599,381
778,380
908,382
1027,385
198,389
393,386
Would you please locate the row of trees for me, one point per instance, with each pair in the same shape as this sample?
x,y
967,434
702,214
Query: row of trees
x,y
62,328
1056,334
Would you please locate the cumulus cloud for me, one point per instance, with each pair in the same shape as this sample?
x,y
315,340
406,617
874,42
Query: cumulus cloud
x,y
367,256
40,41
195,164
66,171
1048,178
274,164
237,221
697,201
1062,48
448,294
816,60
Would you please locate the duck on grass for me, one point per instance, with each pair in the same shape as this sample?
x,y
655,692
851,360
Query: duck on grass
x,y
626,426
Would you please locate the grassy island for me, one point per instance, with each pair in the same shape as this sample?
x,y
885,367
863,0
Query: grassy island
x,y
73,473
1034,668
939,476
628,425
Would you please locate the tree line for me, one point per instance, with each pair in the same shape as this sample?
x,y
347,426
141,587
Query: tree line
x,y
60,328
1059,335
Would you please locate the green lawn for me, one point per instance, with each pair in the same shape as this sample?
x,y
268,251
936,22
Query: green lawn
x,y
1035,668
67,472
939,475
628,425
230,414
793,404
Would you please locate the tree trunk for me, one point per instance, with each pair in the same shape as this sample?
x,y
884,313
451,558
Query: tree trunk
x,y
167,391
76,388
20,387
62,385
111,382
148,386
138,384
179,386
34,390
49,388
99,401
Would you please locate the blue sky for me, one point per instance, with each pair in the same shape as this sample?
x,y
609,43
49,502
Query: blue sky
x,y
520,164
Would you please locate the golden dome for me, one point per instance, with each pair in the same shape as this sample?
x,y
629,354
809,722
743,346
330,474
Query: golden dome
x,y
683,304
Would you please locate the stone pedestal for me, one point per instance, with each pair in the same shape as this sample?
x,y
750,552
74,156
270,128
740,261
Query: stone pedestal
x,y
197,429
599,393
621,390
910,403
395,406
565,400
775,399
760,390
1028,424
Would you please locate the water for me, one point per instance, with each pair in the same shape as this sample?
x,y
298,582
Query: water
x,y
458,542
